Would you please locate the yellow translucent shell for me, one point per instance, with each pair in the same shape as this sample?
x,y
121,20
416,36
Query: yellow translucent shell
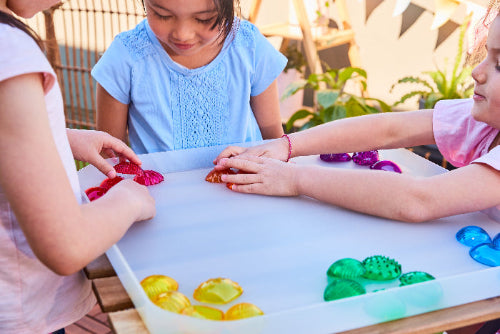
x,y
172,301
217,291
203,312
242,311
155,284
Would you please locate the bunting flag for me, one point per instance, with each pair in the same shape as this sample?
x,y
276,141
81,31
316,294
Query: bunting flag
x,y
445,31
370,6
410,16
444,10
401,6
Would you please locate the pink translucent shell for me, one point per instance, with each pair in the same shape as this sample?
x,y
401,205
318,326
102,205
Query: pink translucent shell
x,y
109,183
335,157
148,178
365,158
95,192
387,166
127,167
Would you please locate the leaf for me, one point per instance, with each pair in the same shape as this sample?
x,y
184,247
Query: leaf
x,y
410,95
339,112
354,108
293,88
327,98
299,114
416,80
384,107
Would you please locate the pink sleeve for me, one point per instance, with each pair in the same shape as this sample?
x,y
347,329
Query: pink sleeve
x,y
24,57
459,137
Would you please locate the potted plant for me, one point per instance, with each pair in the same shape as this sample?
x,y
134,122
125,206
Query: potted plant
x,y
293,71
332,101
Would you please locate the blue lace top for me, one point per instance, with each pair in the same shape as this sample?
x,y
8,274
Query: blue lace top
x,y
172,107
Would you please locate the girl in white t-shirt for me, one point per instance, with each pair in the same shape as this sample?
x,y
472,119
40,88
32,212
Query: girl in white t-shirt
x,y
46,235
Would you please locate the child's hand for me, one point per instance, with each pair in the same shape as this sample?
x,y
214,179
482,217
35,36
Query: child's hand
x,y
93,146
276,149
137,197
266,176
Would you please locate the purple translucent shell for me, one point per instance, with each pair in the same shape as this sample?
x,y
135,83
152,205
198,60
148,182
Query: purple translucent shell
x,y
365,158
386,165
335,157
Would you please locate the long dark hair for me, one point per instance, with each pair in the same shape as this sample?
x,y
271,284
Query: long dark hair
x,y
16,23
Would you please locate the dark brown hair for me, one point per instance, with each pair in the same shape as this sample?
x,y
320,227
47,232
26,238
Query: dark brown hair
x,y
16,23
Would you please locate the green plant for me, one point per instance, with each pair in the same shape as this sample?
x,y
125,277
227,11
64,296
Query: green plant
x,y
295,58
331,100
458,84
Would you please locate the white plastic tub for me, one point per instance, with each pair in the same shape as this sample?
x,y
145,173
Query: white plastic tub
x,y
278,250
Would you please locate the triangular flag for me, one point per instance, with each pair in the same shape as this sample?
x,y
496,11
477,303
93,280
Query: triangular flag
x,y
445,31
444,10
370,5
410,16
400,7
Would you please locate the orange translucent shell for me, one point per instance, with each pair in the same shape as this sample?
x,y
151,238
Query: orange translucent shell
x,y
242,310
172,301
214,176
155,284
217,291
203,312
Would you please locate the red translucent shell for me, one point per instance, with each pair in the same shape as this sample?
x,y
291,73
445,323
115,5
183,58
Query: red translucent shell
x,y
148,178
95,192
214,176
109,183
127,167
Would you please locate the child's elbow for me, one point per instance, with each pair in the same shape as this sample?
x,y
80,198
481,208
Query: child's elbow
x,y
63,265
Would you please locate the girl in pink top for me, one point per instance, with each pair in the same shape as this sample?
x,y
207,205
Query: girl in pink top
x,y
46,235
465,131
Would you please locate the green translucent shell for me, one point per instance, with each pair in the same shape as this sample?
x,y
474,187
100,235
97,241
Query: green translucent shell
x,y
381,268
342,288
413,277
345,268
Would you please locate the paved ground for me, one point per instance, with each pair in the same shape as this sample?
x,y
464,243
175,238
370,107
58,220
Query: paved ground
x,y
94,322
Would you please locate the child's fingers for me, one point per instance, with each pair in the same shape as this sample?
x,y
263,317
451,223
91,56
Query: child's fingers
x,y
228,152
249,164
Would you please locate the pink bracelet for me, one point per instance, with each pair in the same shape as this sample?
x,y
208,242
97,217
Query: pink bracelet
x,y
289,147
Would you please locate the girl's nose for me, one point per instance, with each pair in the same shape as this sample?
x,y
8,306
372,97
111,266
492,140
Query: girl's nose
x,y
478,73
183,31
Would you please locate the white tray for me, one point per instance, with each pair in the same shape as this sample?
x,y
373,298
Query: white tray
x,y
278,250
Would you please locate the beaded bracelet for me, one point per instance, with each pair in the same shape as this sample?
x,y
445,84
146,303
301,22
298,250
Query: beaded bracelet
x,y
289,147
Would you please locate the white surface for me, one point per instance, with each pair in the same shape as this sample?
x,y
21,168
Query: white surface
x,y
278,250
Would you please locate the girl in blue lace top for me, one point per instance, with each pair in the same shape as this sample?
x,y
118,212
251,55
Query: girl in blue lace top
x,y
190,75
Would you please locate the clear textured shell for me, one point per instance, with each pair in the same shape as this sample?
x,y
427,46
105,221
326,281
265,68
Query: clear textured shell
x,y
335,157
172,301
342,288
386,165
472,236
127,167
214,176
155,284
217,291
486,254
203,312
413,277
242,311
381,268
366,158
149,178
95,192
346,268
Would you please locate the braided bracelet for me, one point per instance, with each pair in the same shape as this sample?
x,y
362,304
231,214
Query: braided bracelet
x,y
289,147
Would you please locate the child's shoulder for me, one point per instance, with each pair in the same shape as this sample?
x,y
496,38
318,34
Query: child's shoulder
x,y
136,40
246,33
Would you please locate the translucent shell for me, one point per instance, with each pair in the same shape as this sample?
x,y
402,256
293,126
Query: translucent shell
x,y
95,192
203,312
472,236
172,301
365,158
342,288
214,176
386,165
488,254
155,284
413,277
242,311
381,268
345,268
217,291
148,178
335,157
127,167
109,183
